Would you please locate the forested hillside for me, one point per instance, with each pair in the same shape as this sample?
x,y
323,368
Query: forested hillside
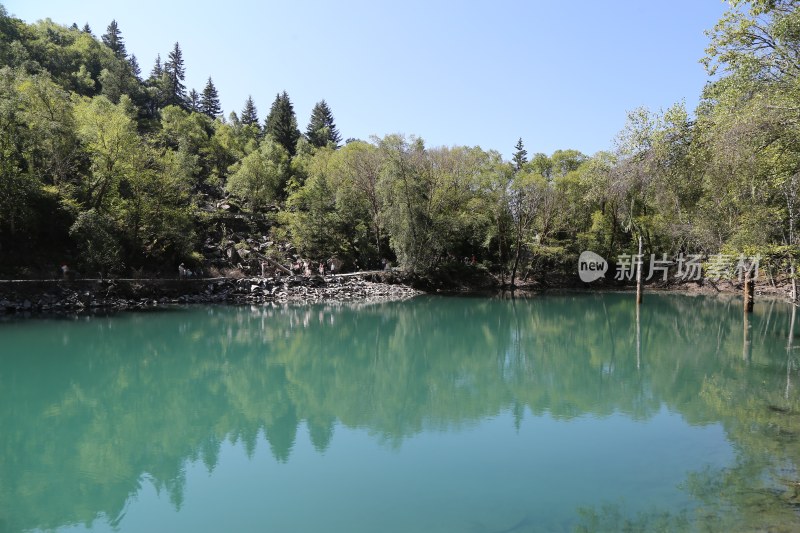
x,y
120,171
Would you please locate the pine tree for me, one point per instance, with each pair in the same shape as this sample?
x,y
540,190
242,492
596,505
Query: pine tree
x,y
209,103
113,39
521,155
195,101
281,123
158,69
157,87
249,113
87,29
134,63
321,128
74,26
176,74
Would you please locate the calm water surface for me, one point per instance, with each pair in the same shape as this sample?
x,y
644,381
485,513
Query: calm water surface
x,y
432,415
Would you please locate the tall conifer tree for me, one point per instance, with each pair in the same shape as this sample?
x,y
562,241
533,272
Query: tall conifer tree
x,y
281,123
321,128
209,102
134,63
157,86
521,155
195,101
249,113
158,69
113,39
176,74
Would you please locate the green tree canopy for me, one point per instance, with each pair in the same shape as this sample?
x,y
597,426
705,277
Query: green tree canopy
x,y
176,74
209,102
520,155
113,39
249,115
261,176
321,129
281,123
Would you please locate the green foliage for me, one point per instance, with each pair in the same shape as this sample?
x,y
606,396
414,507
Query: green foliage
x,y
520,155
209,102
281,123
317,226
321,130
97,240
175,74
261,176
249,113
228,143
134,64
119,79
429,199
81,130
113,39
337,212
153,209
109,138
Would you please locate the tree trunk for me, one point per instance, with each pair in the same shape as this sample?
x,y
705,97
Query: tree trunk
x,y
500,252
516,259
378,239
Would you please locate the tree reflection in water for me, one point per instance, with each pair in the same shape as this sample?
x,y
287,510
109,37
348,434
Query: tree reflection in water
x,y
111,402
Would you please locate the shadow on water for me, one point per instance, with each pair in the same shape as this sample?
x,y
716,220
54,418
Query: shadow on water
x,y
92,408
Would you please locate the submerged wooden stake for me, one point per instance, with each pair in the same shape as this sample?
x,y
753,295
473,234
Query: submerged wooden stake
x,y
749,289
747,345
638,338
789,349
639,275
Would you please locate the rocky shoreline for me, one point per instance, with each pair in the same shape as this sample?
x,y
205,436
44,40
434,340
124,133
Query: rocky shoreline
x,y
53,297
78,296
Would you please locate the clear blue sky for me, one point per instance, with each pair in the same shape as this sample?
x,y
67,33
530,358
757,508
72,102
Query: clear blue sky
x,y
557,74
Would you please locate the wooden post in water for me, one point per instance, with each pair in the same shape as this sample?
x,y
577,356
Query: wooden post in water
x,y
638,337
639,275
789,349
747,344
749,289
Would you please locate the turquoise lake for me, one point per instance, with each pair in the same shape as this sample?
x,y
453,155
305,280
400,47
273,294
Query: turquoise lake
x,y
560,412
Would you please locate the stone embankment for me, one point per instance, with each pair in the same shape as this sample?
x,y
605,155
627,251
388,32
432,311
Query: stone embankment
x,y
54,296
